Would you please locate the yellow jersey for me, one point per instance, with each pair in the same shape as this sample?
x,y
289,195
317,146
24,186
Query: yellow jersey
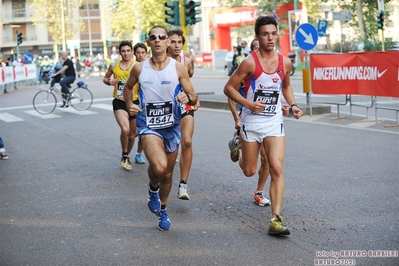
x,y
122,76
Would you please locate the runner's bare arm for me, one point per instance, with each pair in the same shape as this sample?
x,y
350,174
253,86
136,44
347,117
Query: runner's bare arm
x,y
287,89
107,78
133,109
233,110
244,70
187,86
189,67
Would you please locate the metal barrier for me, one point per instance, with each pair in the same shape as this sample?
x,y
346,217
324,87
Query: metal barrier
x,y
390,104
337,100
361,101
368,102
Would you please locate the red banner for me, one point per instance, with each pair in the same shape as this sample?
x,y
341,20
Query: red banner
x,y
369,73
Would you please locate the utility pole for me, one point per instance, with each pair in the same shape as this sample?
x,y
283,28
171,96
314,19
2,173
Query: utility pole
x,y
103,29
63,25
89,26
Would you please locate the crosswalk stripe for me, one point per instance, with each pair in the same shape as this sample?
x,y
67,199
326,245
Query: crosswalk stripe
x,y
74,111
34,113
107,107
6,117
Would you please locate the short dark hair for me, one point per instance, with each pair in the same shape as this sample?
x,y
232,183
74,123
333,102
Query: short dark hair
x,y
264,20
157,26
139,45
253,44
177,32
239,49
125,43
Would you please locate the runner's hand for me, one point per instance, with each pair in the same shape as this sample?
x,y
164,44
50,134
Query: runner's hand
x,y
257,107
197,105
297,112
286,110
182,97
134,109
112,82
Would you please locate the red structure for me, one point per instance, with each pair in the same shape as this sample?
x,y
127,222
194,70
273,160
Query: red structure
x,y
222,19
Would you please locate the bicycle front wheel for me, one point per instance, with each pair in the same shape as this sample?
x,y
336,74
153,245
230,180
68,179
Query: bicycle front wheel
x,y
44,102
81,98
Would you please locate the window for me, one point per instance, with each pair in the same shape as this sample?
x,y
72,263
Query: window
x,y
18,9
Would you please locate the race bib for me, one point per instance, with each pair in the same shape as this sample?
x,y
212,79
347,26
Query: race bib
x,y
121,85
270,98
160,115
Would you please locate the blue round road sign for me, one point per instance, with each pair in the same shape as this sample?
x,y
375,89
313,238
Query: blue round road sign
x,y
306,36
28,58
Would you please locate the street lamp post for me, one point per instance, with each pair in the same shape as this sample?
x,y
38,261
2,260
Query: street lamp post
x,y
103,35
63,25
89,25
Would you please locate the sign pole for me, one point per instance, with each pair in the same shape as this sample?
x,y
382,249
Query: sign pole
x,y
306,37
183,23
17,46
381,8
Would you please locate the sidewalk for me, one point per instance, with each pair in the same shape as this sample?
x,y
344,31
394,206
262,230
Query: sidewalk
x,y
219,101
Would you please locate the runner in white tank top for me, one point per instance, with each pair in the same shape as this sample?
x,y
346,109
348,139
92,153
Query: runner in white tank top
x,y
160,108
175,51
159,79
262,124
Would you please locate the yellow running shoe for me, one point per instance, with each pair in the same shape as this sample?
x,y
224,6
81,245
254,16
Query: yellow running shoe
x,y
125,163
276,227
235,154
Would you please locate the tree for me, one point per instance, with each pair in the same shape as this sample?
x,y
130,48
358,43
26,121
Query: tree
x,y
364,16
48,13
135,16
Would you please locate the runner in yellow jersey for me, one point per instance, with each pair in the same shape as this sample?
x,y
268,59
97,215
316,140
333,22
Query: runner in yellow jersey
x,y
140,52
120,71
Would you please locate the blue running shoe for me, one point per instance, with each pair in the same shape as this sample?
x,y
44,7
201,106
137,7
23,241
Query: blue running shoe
x,y
139,159
153,201
164,222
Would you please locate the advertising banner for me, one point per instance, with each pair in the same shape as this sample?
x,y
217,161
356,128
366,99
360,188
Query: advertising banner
x,y
19,73
368,73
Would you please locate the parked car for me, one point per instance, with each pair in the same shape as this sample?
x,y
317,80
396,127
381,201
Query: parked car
x,y
228,62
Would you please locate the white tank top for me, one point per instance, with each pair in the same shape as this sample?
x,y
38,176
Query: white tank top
x,y
157,92
264,87
182,57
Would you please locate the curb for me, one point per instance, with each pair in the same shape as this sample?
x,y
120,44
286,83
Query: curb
x,y
223,105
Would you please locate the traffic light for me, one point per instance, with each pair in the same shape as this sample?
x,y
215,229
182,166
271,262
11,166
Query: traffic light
x,y
114,5
19,38
173,13
380,20
143,37
190,11
212,35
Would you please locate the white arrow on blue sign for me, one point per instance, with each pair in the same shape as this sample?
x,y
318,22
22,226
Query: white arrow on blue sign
x,y
306,36
28,58
322,27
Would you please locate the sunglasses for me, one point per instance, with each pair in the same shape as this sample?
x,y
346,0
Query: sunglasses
x,y
153,37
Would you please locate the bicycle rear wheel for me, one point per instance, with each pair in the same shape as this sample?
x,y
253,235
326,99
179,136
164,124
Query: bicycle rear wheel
x,y
44,102
81,98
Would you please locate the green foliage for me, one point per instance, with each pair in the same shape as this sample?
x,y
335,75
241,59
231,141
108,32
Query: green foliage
x,y
48,14
136,15
368,9
346,47
376,45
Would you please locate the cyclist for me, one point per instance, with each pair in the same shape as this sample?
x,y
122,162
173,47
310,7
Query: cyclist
x,y
70,76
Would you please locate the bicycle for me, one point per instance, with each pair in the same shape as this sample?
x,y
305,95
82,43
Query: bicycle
x,y
45,101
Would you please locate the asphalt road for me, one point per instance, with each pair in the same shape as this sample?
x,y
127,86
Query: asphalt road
x,y
64,200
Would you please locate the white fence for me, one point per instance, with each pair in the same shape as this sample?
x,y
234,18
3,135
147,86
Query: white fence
x,y
18,73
